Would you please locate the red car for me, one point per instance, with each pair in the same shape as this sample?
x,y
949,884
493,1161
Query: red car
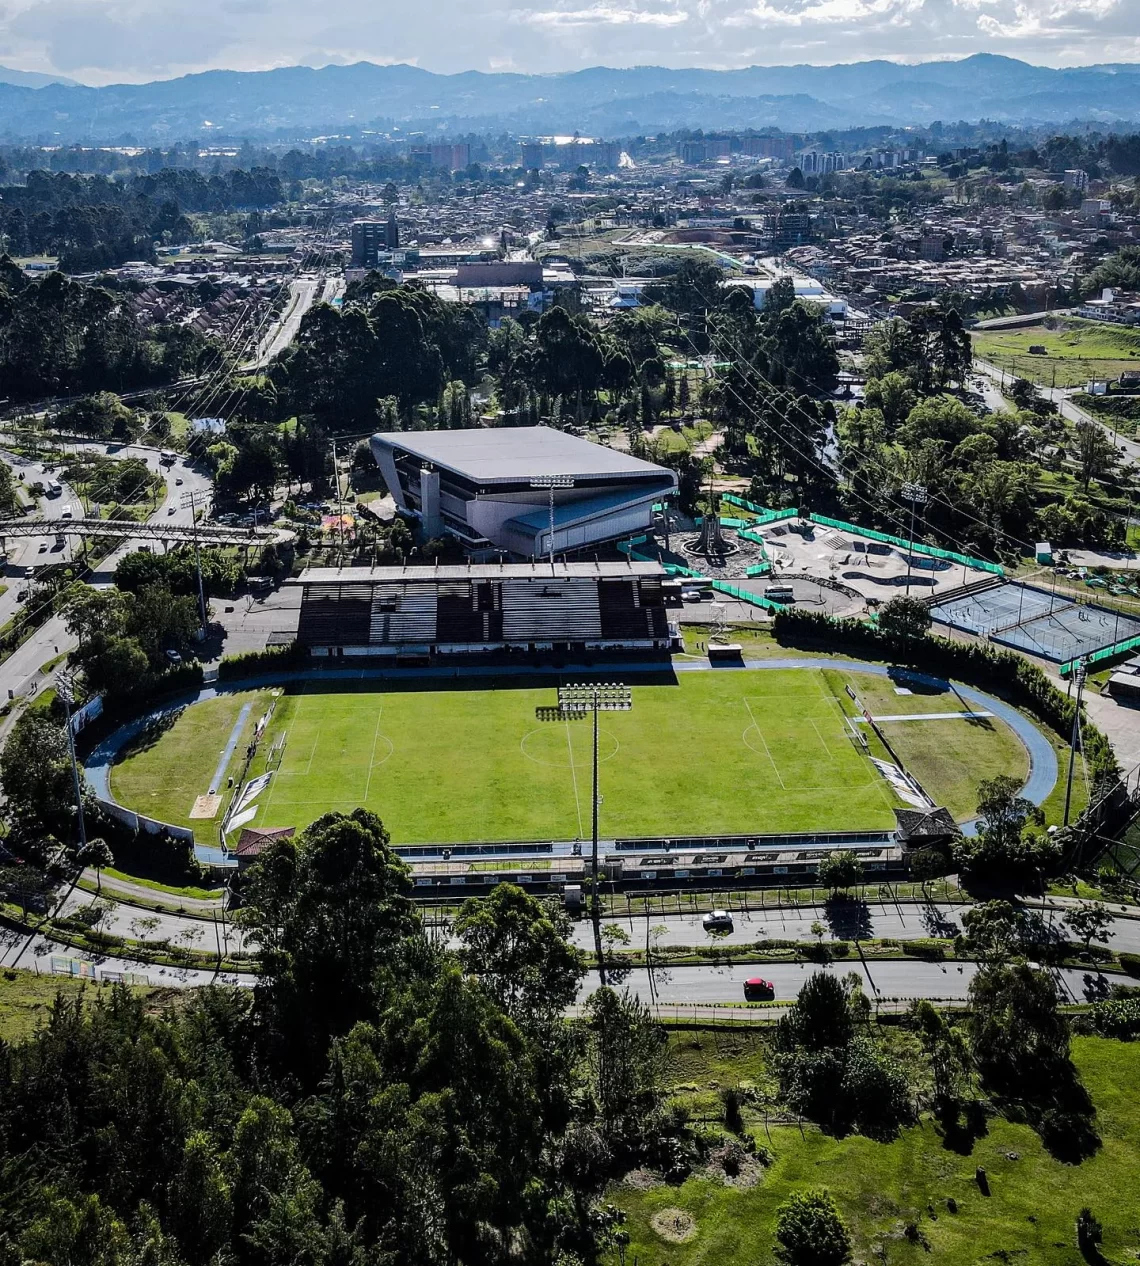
x,y
757,989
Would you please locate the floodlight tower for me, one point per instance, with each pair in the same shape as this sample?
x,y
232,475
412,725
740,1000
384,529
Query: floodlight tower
x,y
917,495
576,700
550,482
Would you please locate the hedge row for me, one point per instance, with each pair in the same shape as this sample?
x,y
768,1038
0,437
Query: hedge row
x,y
1003,672
253,663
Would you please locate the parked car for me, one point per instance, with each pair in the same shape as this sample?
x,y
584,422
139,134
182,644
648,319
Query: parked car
x,y
178,481
171,509
29,573
757,989
173,657
717,921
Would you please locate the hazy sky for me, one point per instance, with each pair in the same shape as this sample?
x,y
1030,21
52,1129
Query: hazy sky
x,y
102,41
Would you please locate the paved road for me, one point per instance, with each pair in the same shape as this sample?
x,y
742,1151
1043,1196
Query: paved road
x,y
904,921
885,980
303,293
1062,398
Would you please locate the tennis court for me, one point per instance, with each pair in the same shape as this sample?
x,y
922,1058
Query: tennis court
x,y
1037,621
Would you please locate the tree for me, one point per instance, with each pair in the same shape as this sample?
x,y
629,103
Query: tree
x,y
1004,848
904,618
819,1018
329,910
840,869
199,1201
997,931
518,947
97,853
627,1053
1019,1039
1089,922
810,1231
35,772
1095,453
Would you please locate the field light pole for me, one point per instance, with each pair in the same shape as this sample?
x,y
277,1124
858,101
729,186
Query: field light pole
x,y
917,495
550,482
1079,673
65,690
577,701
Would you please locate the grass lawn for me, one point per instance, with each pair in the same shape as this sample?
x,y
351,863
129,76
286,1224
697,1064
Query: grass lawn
x,y
167,768
1075,352
26,998
1028,1217
764,751
949,758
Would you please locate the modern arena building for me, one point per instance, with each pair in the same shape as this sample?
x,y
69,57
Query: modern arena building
x,y
490,488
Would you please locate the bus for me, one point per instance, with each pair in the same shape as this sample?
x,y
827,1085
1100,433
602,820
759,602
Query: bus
x,y
779,593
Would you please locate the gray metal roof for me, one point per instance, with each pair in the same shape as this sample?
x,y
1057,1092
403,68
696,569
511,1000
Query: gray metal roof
x,y
477,571
508,454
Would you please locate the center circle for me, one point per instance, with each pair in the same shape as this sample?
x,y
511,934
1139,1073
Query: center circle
x,y
547,745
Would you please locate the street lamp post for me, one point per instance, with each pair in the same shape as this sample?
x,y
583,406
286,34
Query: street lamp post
x,y
577,700
65,690
917,495
549,483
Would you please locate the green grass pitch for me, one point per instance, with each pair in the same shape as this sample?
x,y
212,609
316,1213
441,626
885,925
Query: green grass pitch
x,y
732,752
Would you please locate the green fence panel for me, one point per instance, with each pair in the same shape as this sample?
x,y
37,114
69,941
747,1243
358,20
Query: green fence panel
x,y
743,595
760,569
675,569
734,523
917,547
763,514
1106,652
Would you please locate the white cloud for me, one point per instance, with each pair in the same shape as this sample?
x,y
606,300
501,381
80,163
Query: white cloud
x,y
599,15
106,40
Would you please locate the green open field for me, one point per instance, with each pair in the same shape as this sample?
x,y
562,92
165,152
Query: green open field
x,y
1027,1217
1075,352
738,752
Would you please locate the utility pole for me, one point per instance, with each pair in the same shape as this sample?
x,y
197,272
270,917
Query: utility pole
x,y
66,691
190,499
1079,673
916,494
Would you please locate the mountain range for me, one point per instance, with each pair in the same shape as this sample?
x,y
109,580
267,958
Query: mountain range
x,y
299,101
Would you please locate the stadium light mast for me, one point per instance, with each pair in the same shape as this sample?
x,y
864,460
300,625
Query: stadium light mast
x,y
917,495
549,483
577,700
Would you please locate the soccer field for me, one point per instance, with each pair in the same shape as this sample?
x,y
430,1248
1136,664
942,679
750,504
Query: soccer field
x,y
732,752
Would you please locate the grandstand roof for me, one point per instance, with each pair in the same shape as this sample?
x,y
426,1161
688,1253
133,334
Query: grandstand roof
x,y
508,454
477,571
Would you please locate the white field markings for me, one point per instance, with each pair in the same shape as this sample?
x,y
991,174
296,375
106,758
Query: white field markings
x,y
763,740
372,757
288,735
874,778
574,779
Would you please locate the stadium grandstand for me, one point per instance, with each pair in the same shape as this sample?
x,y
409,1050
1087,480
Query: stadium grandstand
x,y
491,488
480,608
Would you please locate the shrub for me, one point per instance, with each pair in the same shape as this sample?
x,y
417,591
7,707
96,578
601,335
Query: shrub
x,y
272,659
1130,964
1117,1017
810,1231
